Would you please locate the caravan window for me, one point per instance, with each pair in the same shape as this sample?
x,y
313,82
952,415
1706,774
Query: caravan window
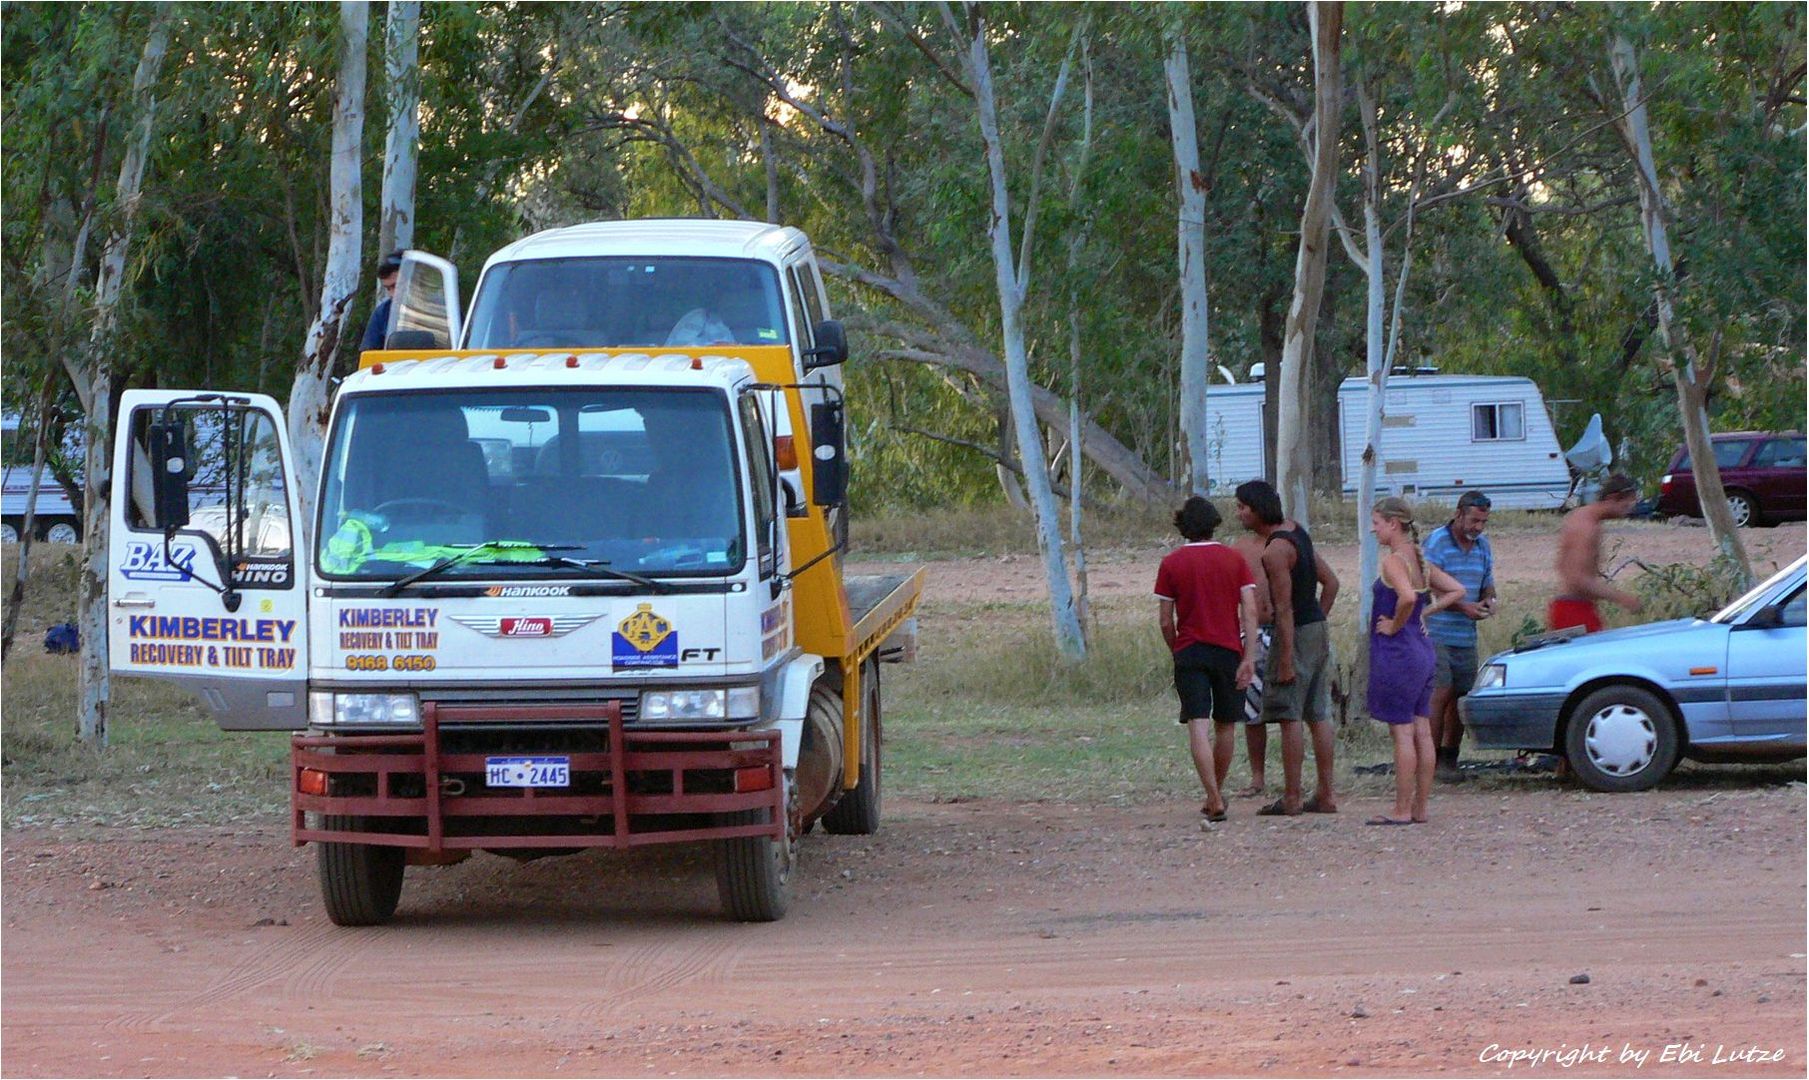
x,y
1494,423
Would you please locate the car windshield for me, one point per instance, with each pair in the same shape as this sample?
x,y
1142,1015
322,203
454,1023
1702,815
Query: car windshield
x,y
627,302
1728,453
639,480
1734,611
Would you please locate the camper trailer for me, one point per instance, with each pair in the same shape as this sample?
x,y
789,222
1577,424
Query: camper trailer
x,y
1441,435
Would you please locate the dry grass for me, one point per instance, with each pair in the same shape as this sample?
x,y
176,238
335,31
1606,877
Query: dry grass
x,y
998,529
167,763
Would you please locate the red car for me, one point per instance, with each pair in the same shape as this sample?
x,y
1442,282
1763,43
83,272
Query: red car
x,y
1763,473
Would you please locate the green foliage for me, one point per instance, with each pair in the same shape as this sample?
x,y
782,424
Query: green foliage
x,y
1528,260
1686,590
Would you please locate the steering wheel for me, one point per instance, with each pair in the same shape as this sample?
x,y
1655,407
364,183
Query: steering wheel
x,y
450,510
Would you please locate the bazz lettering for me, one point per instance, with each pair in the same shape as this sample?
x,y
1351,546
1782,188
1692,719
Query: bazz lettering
x,y
145,562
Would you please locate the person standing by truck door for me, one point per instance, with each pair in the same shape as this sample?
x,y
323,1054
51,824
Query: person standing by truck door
x,y
1459,548
377,329
1297,681
1208,617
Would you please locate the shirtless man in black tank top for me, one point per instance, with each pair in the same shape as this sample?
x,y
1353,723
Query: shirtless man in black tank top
x,y
1297,683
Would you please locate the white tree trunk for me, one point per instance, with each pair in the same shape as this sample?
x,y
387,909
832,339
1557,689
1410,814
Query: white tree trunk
x,y
1375,365
309,395
1076,446
1293,451
1692,384
96,375
1190,252
402,76
1011,287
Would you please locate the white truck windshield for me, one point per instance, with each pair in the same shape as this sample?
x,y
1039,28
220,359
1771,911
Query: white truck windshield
x,y
611,302
639,480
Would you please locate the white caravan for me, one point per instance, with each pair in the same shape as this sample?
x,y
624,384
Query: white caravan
x,y
1441,436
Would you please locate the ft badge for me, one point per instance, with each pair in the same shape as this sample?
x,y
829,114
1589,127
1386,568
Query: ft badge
x,y
644,640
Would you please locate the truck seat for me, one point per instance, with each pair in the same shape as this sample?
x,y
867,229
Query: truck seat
x,y
556,510
432,458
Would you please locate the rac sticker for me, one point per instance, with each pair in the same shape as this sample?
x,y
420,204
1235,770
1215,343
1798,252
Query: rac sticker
x,y
644,640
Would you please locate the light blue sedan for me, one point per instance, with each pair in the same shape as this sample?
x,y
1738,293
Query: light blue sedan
x,y
1625,705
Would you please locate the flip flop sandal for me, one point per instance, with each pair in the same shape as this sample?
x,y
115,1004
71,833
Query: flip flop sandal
x,y
1380,820
1279,809
1220,816
1313,806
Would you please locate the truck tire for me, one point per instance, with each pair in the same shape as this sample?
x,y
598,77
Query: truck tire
x,y
360,883
857,814
63,532
753,873
9,533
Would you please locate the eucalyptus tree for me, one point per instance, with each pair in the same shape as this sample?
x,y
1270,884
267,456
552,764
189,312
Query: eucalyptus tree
x,y
310,395
1012,264
401,148
91,370
1419,64
1293,456
1190,257
1692,378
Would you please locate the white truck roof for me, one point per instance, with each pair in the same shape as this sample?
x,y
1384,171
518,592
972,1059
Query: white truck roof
x,y
659,236
549,370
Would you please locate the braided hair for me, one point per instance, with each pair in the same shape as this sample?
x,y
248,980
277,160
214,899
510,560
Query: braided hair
x,y
1395,508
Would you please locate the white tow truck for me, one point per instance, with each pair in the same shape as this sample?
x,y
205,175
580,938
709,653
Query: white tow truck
x,y
571,577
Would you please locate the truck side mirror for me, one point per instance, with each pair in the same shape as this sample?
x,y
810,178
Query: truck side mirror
x,y
169,474
829,465
831,348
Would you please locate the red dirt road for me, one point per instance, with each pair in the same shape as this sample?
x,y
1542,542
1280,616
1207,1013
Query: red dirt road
x,y
976,938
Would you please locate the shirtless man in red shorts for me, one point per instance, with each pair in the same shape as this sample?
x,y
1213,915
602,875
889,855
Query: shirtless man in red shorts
x,y
1580,559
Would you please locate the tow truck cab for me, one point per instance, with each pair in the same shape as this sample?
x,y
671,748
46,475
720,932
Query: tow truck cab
x,y
572,585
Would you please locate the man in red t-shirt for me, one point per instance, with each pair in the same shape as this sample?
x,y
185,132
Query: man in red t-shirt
x,y
1208,618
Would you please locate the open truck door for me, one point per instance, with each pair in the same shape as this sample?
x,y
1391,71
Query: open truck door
x,y
425,312
204,585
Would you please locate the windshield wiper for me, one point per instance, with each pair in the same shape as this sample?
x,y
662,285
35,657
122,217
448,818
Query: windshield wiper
x,y
470,555
601,568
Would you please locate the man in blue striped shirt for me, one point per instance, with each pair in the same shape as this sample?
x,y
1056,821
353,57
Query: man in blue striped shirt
x,y
1459,549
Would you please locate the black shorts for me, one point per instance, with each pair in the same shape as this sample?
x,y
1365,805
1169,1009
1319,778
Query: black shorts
x,y
1206,679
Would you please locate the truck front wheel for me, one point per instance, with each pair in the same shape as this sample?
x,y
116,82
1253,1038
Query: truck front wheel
x,y
360,883
753,873
857,814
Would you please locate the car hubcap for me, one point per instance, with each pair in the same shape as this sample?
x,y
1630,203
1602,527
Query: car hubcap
x,y
1740,509
60,534
1621,740
9,534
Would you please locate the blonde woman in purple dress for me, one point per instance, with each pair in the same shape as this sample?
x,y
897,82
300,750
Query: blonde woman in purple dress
x,y
1401,656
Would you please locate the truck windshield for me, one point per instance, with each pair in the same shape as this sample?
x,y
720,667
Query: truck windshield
x,y
610,302
640,480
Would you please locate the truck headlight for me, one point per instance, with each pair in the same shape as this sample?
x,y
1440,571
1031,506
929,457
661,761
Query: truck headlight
x,y
327,709
739,703
1491,675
